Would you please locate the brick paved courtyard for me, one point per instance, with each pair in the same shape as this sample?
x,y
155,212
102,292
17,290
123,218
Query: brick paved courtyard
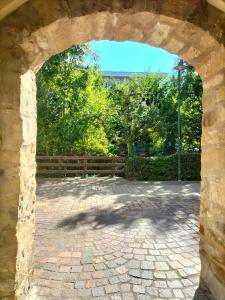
x,y
102,238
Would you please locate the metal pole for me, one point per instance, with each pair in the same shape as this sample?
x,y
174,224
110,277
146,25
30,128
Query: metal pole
x,y
179,127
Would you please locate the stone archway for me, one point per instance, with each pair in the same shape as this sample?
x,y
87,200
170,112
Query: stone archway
x,y
39,29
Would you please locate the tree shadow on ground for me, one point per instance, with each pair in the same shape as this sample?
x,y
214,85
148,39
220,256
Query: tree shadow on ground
x,y
161,213
165,206
201,294
54,188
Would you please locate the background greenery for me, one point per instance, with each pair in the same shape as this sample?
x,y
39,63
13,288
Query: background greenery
x,y
161,168
80,113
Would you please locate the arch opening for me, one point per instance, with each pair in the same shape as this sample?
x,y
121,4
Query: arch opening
x,y
132,210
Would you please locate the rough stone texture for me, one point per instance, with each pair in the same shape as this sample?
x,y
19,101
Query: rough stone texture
x,y
17,184
8,6
40,28
101,237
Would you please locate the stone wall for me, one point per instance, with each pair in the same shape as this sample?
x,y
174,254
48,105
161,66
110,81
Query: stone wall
x,y
17,175
8,6
40,28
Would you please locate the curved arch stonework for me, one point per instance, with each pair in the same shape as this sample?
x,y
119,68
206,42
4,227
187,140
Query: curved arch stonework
x,y
41,28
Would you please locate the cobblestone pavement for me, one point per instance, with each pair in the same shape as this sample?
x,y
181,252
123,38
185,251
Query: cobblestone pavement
x,y
102,238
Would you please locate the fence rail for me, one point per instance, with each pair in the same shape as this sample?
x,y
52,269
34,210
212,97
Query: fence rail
x,y
80,165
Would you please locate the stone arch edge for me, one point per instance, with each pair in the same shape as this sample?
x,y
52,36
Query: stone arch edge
x,y
165,32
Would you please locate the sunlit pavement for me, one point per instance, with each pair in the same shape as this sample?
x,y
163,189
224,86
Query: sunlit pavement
x,y
102,238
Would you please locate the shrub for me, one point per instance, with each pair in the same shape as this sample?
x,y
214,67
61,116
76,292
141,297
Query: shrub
x,y
163,167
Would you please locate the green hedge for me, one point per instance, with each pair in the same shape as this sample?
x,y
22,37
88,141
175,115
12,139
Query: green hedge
x,y
163,167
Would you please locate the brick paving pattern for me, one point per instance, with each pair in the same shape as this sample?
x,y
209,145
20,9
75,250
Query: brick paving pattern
x,y
102,238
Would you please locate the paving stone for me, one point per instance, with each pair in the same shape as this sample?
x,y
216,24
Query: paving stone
x,y
120,261
135,273
98,291
171,275
178,293
124,278
83,293
59,276
68,285
133,264
186,282
101,282
136,281
187,262
174,284
128,296
76,254
121,270
69,293
154,252
109,257
64,269
87,260
143,297
153,291
160,275
160,284
160,246
116,297
147,275
190,271
111,288
139,257
147,265
99,274
155,256
125,287
166,293
161,266
99,267
80,284
150,258
90,284
138,289
146,282
140,251
114,280
76,269
85,275
188,291
111,264
175,265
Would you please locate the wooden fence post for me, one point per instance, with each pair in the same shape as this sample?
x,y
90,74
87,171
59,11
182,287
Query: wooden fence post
x,y
114,167
85,168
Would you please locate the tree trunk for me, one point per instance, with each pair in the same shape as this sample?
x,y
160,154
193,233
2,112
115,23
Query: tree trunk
x,y
130,149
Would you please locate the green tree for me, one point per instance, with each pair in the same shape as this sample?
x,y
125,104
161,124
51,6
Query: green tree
x,y
71,101
145,111
191,113
78,113
133,103
191,110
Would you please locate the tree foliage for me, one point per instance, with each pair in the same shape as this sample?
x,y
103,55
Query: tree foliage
x,y
146,112
79,114
134,103
71,102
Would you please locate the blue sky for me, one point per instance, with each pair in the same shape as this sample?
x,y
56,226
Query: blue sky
x,y
132,57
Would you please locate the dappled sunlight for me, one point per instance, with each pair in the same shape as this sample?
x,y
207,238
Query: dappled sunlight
x,y
102,202
135,232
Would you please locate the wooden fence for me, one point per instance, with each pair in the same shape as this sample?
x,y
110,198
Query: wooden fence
x,y
47,165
